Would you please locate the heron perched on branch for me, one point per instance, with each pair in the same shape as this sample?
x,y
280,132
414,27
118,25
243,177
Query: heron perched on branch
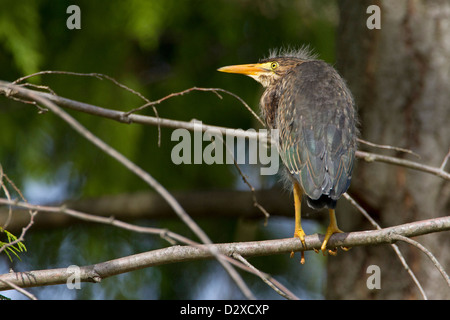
x,y
307,101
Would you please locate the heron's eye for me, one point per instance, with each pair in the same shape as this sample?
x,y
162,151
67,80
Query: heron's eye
x,y
274,65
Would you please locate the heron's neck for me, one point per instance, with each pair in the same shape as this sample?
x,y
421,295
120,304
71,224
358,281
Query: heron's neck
x,y
269,105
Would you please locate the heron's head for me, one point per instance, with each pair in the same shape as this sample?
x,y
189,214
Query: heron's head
x,y
269,70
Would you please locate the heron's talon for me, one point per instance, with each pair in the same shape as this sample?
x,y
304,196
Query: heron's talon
x,y
302,259
333,252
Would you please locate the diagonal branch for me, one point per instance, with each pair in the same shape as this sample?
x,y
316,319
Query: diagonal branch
x,y
427,252
29,94
393,245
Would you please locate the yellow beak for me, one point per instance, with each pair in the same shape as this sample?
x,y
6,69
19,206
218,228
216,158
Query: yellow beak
x,y
247,69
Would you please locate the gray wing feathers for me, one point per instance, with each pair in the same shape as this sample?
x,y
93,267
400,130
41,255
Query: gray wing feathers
x,y
317,124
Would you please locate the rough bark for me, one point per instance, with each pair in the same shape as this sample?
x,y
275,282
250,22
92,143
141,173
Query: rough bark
x,y
399,76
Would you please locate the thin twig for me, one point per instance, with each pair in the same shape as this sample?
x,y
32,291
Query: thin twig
x,y
214,90
8,196
393,245
427,252
32,85
371,157
21,238
165,234
444,163
387,147
266,278
19,289
17,81
98,76
244,178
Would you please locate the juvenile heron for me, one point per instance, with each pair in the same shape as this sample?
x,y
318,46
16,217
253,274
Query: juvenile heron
x,y
309,104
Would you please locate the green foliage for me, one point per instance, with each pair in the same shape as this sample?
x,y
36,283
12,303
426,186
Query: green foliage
x,y
10,248
20,34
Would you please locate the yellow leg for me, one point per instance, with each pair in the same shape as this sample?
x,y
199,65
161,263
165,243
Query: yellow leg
x,y
298,232
332,228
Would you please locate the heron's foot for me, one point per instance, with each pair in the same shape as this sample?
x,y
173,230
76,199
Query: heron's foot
x,y
332,229
299,233
333,252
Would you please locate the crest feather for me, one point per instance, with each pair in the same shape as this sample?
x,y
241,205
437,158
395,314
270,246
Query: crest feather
x,y
304,53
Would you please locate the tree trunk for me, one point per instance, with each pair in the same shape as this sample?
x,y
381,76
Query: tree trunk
x,y
400,77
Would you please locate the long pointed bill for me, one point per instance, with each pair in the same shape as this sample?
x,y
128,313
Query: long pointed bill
x,y
247,69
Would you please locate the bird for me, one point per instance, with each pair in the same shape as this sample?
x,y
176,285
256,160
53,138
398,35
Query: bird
x,y
311,107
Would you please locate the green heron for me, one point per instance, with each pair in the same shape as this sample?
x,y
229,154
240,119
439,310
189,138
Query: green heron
x,y
307,101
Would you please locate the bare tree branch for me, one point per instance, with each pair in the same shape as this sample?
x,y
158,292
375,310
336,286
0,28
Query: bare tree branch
x,y
11,90
174,254
370,157
387,147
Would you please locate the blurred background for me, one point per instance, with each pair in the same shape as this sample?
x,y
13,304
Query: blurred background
x,y
398,74
156,48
